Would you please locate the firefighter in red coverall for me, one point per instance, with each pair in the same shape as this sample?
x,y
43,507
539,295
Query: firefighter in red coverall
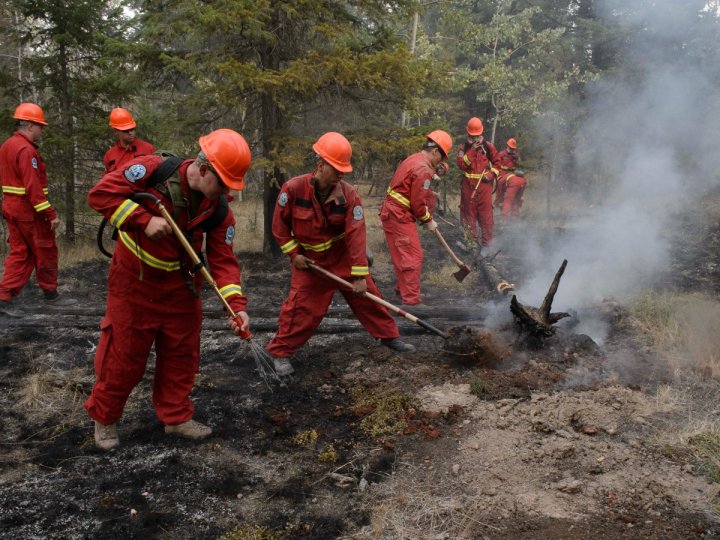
x,y
476,159
152,296
319,218
409,199
128,146
31,220
511,184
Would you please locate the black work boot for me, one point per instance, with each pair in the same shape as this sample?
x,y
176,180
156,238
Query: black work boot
x,y
55,300
397,345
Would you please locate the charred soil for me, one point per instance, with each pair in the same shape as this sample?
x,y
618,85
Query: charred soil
x,y
550,442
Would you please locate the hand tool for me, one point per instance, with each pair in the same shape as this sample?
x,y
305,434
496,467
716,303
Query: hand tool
x,y
464,268
378,300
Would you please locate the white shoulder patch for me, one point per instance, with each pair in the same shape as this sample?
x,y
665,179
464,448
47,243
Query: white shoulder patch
x,y
283,199
358,213
34,163
426,184
135,173
229,235
461,153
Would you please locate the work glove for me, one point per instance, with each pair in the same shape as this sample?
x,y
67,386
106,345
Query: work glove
x,y
431,225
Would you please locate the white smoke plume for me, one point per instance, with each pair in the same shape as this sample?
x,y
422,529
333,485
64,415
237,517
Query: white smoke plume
x,y
652,134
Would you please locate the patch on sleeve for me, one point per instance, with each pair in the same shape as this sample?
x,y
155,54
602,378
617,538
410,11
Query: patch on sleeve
x,y
34,163
426,184
283,199
461,153
358,213
229,235
135,173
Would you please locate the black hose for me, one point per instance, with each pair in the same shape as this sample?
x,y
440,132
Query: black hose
x,y
100,233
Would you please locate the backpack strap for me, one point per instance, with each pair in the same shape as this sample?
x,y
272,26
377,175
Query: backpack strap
x,y
218,215
167,182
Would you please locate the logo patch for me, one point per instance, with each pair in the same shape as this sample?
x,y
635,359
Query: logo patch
x,y
461,153
229,235
283,199
358,213
426,184
34,163
135,173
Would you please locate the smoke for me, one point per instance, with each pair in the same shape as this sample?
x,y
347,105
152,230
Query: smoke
x,y
651,138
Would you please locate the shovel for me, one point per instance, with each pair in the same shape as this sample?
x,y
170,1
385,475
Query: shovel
x,y
409,316
262,361
464,268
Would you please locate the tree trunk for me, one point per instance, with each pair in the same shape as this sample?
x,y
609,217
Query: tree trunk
x,y
68,133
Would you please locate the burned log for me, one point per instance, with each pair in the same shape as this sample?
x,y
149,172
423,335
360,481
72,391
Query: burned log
x,y
538,322
493,277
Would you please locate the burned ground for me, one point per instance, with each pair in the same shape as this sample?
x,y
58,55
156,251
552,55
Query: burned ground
x,y
551,442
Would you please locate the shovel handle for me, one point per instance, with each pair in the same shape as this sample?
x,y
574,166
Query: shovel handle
x,y
449,250
194,257
378,300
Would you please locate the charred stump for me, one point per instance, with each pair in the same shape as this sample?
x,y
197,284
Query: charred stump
x,y
538,323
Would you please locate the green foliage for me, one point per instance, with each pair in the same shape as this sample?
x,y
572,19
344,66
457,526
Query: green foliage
x,y
251,532
707,446
479,387
386,413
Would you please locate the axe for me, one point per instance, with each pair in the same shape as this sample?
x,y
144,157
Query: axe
x,y
464,268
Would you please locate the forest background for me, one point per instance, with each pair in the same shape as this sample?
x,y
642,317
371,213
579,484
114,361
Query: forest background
x,y
384,73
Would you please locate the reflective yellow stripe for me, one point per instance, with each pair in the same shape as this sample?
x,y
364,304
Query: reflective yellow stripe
x,y
45,190
324,246
474,176
144,256
399,198
466,159
289,246
495,171
359,270
229,290
122,213
42,206
13,190
426,217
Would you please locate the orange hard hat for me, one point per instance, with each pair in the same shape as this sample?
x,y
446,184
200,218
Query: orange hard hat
x,y
229,154
442,139
335,149
121,119
31,113
512,143
475,127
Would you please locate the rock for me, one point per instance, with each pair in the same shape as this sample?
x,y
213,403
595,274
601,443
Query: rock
x,y
362,486
456,469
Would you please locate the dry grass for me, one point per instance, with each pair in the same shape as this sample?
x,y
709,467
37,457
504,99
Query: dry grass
x,y
683,328
49,394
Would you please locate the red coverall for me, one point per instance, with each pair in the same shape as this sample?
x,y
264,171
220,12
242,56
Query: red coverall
x,y
333,235
28,214
476,205
513,190
117,157
506,162
409,198
149,299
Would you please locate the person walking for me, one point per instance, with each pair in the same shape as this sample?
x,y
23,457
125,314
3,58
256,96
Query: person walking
x,y
128,146
31,219
511,183
153,289
319,219
476,159
410,199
